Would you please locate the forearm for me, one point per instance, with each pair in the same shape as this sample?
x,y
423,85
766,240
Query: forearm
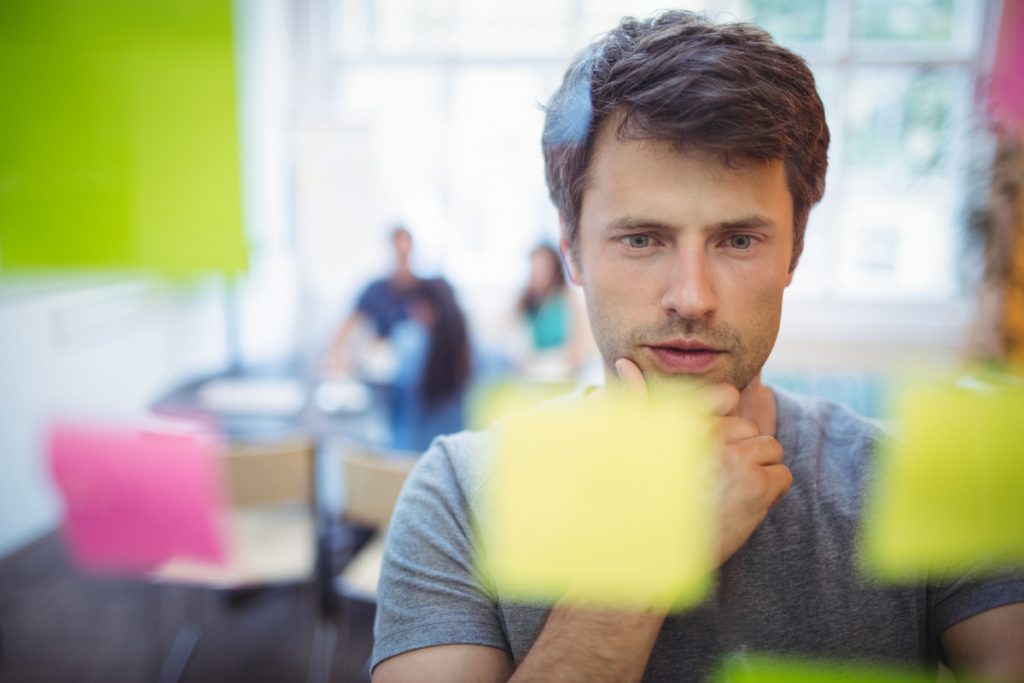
x,y
584,644
338,347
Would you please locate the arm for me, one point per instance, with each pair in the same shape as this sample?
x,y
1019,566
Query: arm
x,y
582,644
576,644
456,663
988,645
337,355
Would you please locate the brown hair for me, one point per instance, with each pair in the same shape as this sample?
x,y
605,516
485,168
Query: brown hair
x,y
721,88
530,301
447,367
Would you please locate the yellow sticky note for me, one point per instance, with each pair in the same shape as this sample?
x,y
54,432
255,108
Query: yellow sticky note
x,y
603,500
120,141
765,669
948,492
501,400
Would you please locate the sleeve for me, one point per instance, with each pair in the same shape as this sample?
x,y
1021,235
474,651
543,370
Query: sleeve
x,y
429,593
367,301
958,599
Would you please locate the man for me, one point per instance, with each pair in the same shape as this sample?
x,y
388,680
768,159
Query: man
x,y
382,304
683,158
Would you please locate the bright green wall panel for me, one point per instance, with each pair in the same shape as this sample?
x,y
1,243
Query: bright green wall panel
x,y
119,136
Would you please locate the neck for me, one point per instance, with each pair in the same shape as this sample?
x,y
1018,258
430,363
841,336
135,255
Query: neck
x,y
402,275
757,404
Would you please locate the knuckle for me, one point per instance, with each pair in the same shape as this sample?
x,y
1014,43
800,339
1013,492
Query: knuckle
x,y
737,428
773,449
745,426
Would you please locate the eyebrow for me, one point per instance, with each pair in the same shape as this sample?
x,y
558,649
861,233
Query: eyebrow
x,y
636,222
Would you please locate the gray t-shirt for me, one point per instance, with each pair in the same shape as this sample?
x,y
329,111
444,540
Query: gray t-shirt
x,y
792,589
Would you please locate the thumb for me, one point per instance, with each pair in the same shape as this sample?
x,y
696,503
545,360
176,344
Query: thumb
x,y
631,377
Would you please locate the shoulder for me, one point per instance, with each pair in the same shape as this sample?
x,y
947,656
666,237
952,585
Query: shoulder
x,y
433,521
457,466
828,447
839,419
376,287
372,292
808,421
430,592
453,469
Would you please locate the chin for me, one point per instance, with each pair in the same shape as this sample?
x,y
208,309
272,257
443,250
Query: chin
x,y
658,378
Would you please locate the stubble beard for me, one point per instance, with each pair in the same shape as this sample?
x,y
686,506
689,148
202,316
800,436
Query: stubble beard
x,y
742,361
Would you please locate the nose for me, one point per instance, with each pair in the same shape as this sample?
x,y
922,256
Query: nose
x,y
690,291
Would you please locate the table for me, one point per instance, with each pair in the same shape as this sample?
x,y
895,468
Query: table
x,y
309,426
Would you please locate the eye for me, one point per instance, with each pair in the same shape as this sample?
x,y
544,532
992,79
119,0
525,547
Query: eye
x,y
638,241
741,241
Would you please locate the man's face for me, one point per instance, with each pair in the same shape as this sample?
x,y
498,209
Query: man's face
x,y
683,260
402,243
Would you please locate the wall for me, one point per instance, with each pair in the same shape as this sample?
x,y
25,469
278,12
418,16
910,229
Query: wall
x,y
88,347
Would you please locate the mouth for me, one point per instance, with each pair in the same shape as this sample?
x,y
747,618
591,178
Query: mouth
x,y
685,357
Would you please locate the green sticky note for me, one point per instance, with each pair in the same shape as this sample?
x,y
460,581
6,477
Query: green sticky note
x,y
602,501
120,144
948,493
764,669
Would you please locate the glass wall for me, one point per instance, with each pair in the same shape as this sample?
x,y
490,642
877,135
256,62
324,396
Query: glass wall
x,y
432,112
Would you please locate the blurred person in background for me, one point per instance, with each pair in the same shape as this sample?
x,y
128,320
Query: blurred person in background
x,y
382,304
433,368
552,317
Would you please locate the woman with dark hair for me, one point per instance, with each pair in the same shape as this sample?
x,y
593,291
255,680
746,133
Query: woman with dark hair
x,y
542,303
433,368
555,324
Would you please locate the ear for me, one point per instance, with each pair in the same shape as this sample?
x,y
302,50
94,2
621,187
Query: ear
x,y
789,276
567,258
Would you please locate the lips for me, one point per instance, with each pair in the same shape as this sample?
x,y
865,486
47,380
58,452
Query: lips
x,y
685,356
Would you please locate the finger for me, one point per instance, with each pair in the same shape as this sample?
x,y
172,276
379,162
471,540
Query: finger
x,y
721,399
780,479
760,450
631,377
736,429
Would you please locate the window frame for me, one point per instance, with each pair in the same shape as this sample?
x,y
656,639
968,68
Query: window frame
x,y
897,323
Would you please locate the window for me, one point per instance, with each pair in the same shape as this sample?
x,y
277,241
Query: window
x,y
436,106
897,81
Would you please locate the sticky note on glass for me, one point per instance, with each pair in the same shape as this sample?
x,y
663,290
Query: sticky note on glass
x,y
120,144
1006,93
135,498
947,494
764,669
501,400
604,501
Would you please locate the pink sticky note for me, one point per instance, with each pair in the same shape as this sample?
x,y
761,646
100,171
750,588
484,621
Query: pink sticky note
x,y
1006,94
138,497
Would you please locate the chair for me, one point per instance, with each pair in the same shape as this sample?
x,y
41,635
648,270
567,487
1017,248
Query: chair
x,y
371,480
172,505
270,526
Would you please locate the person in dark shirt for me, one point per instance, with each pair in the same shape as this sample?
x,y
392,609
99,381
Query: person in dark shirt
x,y
382,304
434,367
